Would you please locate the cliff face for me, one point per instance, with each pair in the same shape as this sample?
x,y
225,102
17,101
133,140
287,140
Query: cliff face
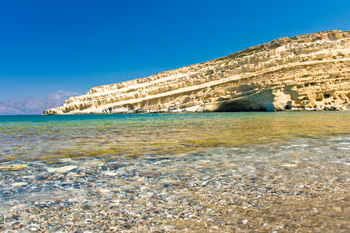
x,y
304,72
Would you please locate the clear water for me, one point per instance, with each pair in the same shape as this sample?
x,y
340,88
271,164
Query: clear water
x,y
266,171
50,138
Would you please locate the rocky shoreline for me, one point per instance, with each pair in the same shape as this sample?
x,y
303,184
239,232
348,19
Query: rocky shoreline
x,y
201,109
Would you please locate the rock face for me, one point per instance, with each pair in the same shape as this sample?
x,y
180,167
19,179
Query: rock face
x,y
308,72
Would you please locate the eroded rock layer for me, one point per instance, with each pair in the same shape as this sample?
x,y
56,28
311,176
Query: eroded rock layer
x,y
304,72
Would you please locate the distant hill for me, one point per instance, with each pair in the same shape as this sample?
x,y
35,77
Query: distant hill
x,y
34,105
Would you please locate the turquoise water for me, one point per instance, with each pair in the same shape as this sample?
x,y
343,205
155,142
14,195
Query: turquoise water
x,y
267,171
49,138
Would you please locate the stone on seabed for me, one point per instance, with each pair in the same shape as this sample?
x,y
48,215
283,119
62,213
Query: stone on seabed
x,y
62,169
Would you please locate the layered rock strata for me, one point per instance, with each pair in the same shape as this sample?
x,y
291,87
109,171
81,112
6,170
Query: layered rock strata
x,y
308,72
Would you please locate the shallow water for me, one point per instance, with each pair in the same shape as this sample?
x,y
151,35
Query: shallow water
x,y
54,137
280,171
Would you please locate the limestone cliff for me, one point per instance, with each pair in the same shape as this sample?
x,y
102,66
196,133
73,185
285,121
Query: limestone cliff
x,y
304,72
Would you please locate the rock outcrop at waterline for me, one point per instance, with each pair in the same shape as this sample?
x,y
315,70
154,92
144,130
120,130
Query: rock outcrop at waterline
x,y
304,72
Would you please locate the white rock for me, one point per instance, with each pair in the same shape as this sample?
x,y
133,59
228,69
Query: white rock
x,y
289,165
62,169
18,184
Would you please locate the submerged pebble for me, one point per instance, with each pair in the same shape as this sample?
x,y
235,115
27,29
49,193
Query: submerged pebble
x,y
220,190
62,169
201,173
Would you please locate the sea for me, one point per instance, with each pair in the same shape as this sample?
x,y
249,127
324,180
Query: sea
x,y
50,138
42,156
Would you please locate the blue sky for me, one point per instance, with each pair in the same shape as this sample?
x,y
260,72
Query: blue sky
x,y
46,46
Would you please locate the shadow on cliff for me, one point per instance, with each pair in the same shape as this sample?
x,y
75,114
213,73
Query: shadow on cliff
x,y
262,101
